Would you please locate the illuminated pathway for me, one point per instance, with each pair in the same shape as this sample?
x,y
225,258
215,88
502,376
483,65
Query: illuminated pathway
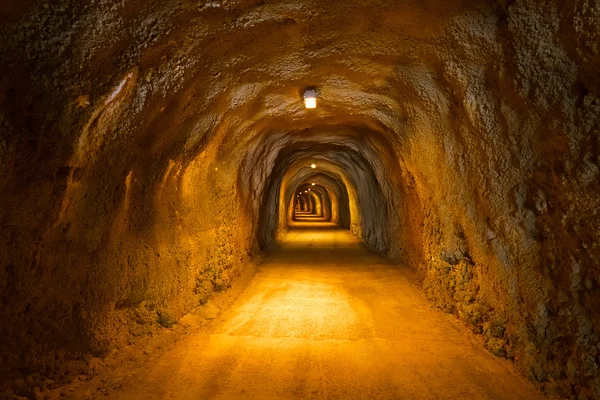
x,y
325,319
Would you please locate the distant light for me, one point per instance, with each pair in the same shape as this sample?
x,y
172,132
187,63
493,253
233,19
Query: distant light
x,y
313,184
310,98
313,166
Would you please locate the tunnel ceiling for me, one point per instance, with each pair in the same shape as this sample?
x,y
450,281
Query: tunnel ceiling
x,y
149,151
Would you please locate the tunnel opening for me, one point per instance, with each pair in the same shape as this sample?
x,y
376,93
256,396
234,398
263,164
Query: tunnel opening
x,y
330,193
329,199
322,203
354,166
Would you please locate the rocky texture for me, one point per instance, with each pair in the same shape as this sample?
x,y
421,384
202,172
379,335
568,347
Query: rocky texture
x,y
149,149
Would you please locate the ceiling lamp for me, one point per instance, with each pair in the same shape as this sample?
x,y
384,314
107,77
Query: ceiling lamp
x,y
313,184
310,98
313,166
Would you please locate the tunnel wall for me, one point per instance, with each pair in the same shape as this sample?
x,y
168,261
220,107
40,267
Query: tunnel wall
x,y
129,246
507,183
112,121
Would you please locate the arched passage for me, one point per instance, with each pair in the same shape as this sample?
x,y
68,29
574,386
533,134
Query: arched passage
x,y
331,191
149,158
355,158
323,204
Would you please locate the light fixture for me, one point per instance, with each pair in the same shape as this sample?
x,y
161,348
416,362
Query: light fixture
x,y
313,166
310,98
313,184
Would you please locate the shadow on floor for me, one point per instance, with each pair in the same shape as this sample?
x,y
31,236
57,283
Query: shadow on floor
x,y
322,243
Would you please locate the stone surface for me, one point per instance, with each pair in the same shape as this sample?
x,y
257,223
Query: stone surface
x,y
148,151
320,302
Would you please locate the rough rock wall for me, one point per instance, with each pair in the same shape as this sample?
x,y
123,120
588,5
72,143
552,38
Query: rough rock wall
x,y
143,146
109,229
135,243
510,192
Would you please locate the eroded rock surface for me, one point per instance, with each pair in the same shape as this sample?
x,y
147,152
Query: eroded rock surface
x,y
149,150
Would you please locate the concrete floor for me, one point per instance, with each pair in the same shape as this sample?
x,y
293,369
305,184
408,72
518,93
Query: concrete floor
x,y
325,319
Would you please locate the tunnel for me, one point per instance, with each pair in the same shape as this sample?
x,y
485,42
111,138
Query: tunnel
x,y
293,199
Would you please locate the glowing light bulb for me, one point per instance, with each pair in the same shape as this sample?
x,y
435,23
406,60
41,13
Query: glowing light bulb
x,y
313,166
313,184
310,98
310,103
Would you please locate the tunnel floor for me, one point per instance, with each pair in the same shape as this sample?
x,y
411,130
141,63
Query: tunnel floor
x,y
326,318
